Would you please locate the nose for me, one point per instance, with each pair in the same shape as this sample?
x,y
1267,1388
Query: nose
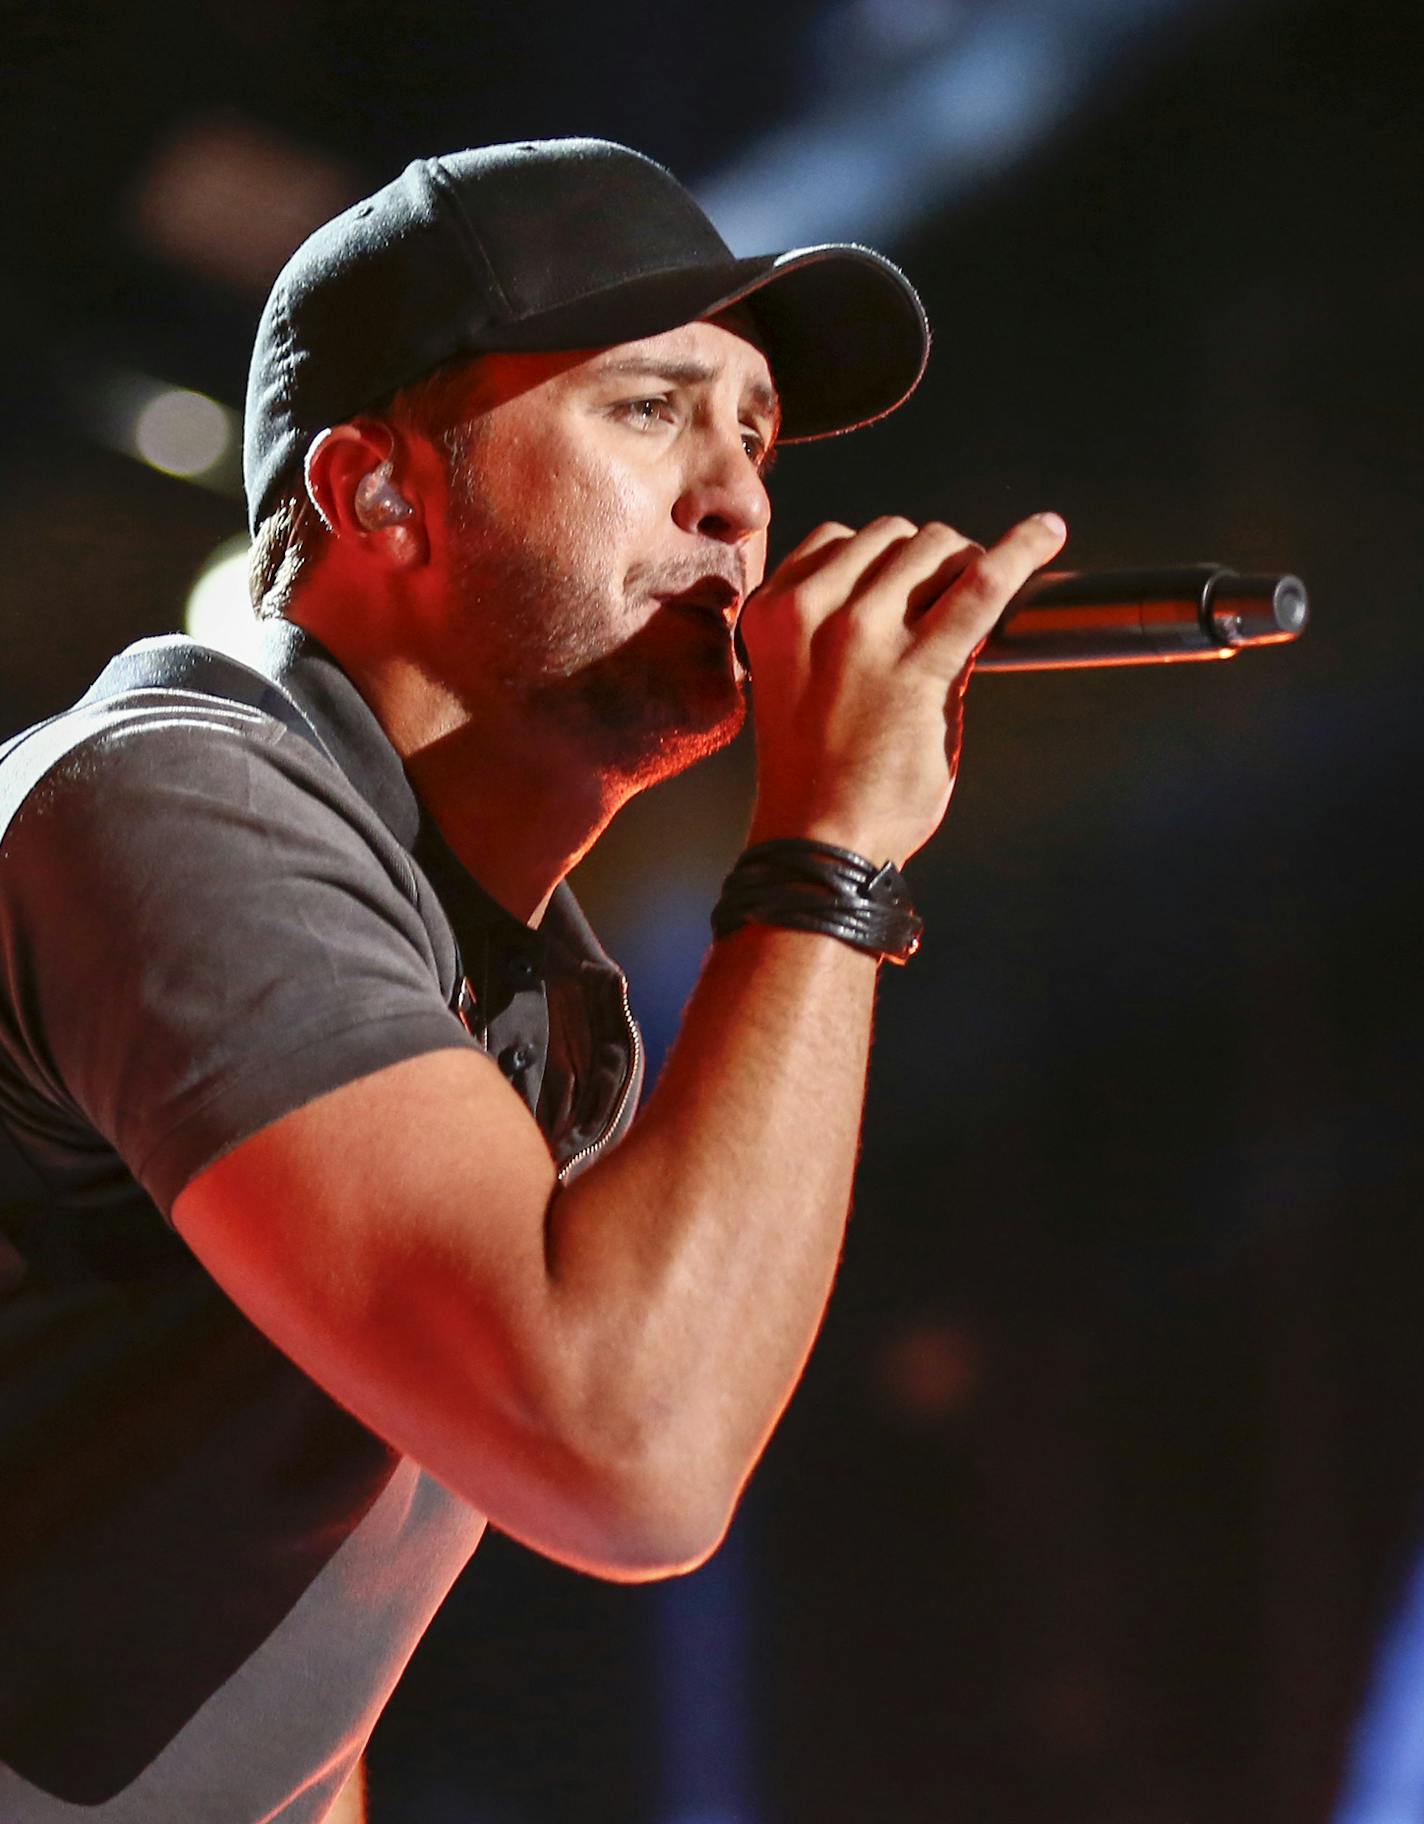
x,y
723,496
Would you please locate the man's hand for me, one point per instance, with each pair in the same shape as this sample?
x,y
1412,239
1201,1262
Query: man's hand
x,y
861,644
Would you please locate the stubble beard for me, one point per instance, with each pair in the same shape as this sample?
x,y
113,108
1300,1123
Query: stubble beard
x,y
549,633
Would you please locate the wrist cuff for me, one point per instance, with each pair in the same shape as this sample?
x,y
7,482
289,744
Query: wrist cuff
x,y
815,886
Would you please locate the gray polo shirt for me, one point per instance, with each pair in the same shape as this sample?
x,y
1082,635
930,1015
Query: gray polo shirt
x,y
219,900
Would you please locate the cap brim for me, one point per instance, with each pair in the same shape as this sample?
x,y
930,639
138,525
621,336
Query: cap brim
x,y
844,330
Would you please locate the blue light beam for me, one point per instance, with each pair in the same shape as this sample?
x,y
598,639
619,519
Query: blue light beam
x,y
1384,1775
900,135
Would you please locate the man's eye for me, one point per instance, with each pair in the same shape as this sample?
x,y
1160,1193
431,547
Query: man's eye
x,y
755,447
644,413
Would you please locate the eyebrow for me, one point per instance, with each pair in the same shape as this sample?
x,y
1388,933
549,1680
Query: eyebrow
x,y
695,373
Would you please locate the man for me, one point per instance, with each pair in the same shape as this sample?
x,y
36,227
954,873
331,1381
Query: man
x,y
288,962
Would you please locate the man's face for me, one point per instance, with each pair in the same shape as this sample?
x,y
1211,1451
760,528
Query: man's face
x,y
602,531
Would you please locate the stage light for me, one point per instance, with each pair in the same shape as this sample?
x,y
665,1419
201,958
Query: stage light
x,y
229,198
218,612
1383,1781
182,432
920,104
930,1371
173,429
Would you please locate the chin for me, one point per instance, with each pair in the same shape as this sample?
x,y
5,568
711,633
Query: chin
x,y
654,737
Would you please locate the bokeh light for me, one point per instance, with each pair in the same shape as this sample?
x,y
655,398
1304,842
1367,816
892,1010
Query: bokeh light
x,y
218,611
182,432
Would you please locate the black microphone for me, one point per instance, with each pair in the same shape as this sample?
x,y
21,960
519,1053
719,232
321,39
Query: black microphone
x,y
1142,617
1066,618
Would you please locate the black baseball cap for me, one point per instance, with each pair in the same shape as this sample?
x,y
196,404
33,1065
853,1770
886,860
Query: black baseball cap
x,y
554,244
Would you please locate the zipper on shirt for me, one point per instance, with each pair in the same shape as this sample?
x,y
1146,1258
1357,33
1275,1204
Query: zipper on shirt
x,y
586,1154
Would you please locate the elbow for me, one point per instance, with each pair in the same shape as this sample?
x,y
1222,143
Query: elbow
x,y
649,1548
641,1483
660,1510
656,1525
618,1498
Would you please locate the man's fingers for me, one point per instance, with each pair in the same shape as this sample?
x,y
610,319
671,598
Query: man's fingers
x,y
964,616
819,575
892,574
835,567
839,566
798,564
911,575
832,532
888,552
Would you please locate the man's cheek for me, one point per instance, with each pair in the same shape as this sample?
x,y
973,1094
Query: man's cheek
x,y
600,512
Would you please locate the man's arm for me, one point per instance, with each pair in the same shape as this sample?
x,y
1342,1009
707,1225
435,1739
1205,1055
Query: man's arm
x,y
598,1367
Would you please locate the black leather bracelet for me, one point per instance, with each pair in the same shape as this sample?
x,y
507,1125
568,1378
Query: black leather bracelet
x,y
815,886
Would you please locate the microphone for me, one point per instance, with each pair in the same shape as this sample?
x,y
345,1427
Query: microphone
x,y
1066,618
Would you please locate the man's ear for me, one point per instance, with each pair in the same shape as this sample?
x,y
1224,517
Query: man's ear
x,y
351,481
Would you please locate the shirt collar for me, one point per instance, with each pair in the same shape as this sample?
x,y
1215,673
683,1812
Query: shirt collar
x,y
351,731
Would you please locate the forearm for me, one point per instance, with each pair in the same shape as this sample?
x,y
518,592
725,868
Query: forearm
x,y
691,1267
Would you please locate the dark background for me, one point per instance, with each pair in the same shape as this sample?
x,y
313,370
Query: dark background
x,y
1105,1479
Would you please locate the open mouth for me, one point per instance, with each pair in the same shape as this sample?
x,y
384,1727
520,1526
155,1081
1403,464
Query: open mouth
x,y
712,596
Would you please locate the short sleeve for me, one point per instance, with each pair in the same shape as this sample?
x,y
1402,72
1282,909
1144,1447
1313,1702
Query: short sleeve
x,y
204,927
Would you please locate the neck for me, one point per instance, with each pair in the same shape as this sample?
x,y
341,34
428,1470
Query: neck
x,y
517,813
519,803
